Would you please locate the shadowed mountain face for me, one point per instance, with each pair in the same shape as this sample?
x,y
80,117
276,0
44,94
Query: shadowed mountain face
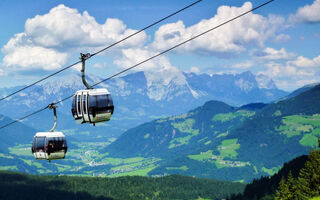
x,y
17,133
139,97
224,142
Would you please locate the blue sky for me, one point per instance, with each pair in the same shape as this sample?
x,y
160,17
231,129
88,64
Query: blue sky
x,y
280,40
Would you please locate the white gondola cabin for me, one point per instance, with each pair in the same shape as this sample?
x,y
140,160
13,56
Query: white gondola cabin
x,y
92,106
49,146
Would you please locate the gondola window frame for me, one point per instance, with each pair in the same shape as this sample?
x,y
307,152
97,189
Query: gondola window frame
x,y
79,104
84,104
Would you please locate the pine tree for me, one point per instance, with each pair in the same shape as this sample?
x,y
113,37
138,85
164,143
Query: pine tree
x,y
309,177
292,186
283,191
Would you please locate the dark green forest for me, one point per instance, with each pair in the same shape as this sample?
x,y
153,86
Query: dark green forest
x,y
22,186
306,185
266,186
298,179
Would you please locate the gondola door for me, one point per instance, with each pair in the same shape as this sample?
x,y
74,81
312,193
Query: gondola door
x,y
79,104
85,106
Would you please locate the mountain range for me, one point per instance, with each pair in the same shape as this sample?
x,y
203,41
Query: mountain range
x,y
138,98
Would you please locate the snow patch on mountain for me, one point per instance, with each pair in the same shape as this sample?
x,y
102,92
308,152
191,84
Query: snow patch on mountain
x,y
265,82
71,81
194,93
245,85
166,84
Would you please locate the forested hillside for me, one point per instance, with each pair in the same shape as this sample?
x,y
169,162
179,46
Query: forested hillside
x,y
219,141
266,186
298,179
22,186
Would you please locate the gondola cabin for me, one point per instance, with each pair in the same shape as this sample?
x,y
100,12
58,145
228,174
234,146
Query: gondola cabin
x,y
49,146
92,106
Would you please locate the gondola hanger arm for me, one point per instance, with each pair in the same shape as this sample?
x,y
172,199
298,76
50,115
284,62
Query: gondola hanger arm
x,y
83,58
53,106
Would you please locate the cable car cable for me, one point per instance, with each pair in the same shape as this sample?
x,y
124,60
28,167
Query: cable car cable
x,y
22,118
163,52
129,36
147,27
149,58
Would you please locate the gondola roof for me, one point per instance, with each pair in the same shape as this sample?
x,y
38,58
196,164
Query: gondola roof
x,y
49,134
98,91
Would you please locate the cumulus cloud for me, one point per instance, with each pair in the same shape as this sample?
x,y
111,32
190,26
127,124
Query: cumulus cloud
x,y
158,70
53,30
232,38
243,65
272,54
52,36
282,38
34,57
195,70
305,62
286,70
301,83
290,77
307,14
100,65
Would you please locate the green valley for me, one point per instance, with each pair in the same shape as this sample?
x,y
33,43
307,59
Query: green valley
x,y
83,159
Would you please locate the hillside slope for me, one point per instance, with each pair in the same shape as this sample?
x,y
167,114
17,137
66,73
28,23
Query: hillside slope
x,y
169,137
224,142
16,133
266,187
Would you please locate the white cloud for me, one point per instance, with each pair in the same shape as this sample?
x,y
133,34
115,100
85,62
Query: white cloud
x,y
273,54
158,70
195,70
49,38
100,65
282,38
293,84
275,69
34,57
305,62
290,77
251,29
77,67
53,30
307,14
244,65
301,83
